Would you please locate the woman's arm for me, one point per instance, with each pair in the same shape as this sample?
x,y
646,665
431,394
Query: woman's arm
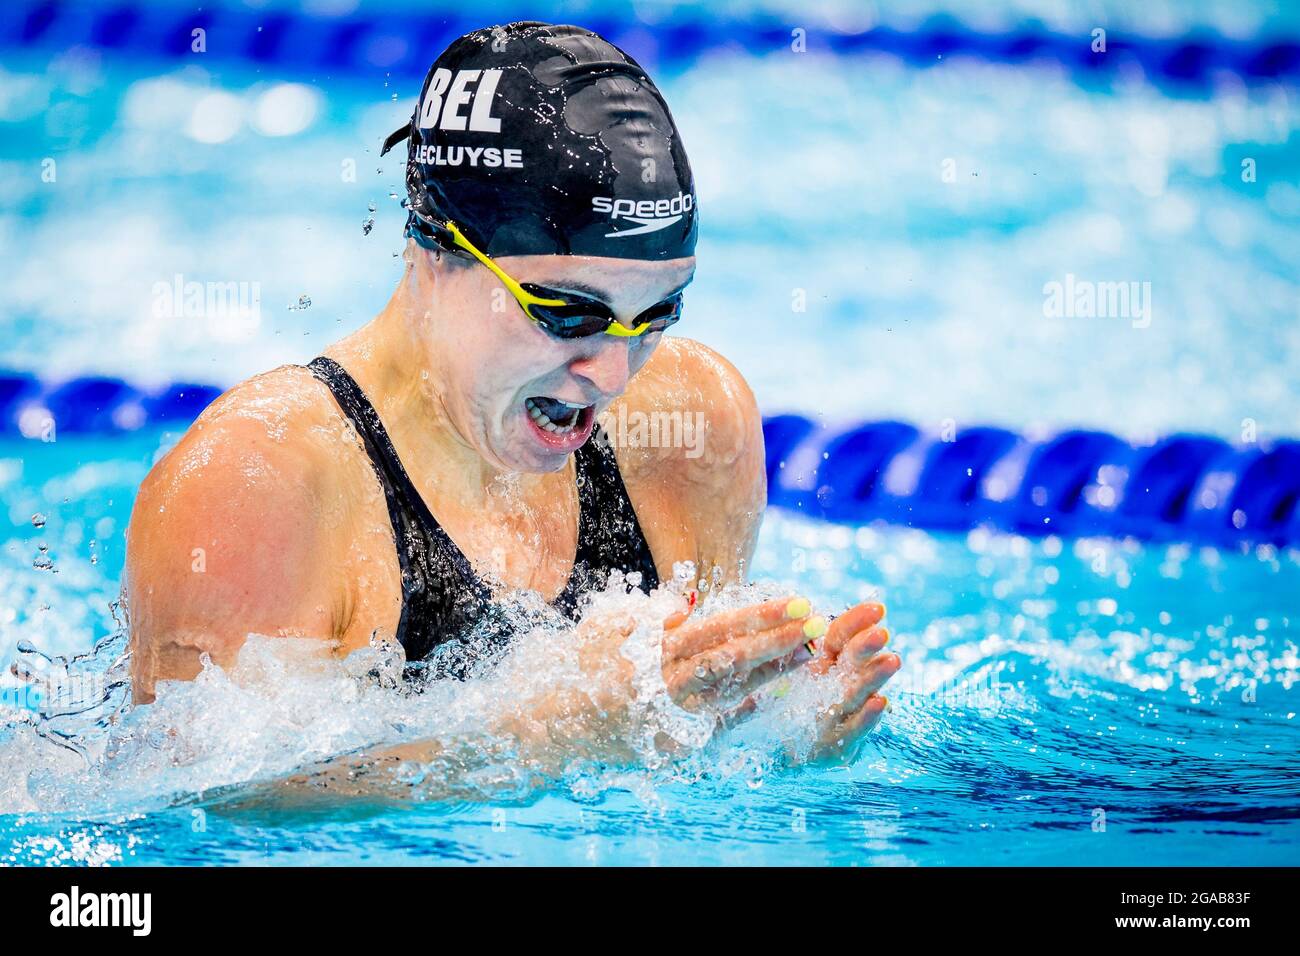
x,y
700,488
225,540
708,664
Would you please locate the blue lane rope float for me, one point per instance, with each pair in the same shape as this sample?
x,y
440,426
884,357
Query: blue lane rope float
x,y
1075,483
31,408
399,43
1184,487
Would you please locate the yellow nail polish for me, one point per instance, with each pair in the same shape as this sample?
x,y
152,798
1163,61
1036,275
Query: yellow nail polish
x,y
798,607
885,631
814,627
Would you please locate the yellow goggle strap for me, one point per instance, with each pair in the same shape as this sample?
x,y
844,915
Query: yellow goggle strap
x,y
523,296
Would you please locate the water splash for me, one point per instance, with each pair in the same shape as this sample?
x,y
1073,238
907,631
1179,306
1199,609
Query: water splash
x,y
289,723
1045,683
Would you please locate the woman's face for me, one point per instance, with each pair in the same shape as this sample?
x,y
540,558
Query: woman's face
x,y
523,398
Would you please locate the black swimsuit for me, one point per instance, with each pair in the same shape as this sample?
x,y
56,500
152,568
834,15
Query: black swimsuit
x,y
449,621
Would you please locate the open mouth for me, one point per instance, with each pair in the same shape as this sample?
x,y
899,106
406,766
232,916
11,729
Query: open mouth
x,y
557,418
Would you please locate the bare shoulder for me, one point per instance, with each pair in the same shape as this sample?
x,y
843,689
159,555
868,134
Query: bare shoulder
x,y
274,406
689,440
689,383
268,427
229,528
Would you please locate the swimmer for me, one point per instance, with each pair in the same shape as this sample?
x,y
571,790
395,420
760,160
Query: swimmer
x,y
450,453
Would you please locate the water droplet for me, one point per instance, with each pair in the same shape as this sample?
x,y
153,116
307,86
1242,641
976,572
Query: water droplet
x,y
38,520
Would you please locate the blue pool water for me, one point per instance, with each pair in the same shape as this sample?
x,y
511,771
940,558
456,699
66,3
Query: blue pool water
x,y
1061,701
1046,683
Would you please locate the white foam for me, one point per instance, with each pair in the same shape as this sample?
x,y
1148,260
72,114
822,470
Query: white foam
x,y
288,720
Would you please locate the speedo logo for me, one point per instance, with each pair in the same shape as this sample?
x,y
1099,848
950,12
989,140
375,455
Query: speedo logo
x,y
651,215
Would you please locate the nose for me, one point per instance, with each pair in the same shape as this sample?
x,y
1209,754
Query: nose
x,y
607,367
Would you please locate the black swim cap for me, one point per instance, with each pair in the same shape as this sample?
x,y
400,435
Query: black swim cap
x,y
542,139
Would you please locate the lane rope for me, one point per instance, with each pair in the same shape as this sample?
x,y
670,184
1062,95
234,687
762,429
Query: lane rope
x,y
399,43
1183,487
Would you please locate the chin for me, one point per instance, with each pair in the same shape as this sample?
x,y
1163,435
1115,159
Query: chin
x,y
518,451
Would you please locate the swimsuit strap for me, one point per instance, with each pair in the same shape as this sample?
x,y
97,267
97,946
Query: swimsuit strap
x,y
442,596
609,534
437,579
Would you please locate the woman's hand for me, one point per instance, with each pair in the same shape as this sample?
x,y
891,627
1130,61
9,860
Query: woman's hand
x,y
732,654
851,650
714,661
728,655
722,660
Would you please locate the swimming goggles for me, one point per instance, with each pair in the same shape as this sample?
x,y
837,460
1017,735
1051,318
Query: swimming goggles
x,y
565,315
